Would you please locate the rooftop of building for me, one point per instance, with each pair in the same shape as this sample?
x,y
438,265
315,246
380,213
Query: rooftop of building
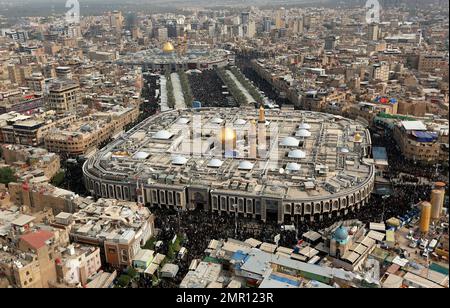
x,y
110,220
12,217
309,153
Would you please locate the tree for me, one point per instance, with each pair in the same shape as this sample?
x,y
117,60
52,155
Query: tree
x,y
7,175
58,179
132,272
124,280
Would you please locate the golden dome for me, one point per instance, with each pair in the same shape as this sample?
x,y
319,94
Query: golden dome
x,y
358,137
227,134
168,47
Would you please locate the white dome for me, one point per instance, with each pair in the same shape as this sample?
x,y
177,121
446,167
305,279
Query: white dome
x,y
303,133
163,135
297,154
217,121
240,122
141,155
293,167
183,121
215,163
344,150
290,142
246,165
179,160
304,126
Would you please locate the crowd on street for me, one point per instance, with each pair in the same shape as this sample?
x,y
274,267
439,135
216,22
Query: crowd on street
x,y
207,89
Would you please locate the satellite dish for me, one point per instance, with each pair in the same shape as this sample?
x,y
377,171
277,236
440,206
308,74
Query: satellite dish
x,y
282,170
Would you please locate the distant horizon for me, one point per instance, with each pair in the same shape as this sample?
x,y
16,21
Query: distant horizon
x,y
35,8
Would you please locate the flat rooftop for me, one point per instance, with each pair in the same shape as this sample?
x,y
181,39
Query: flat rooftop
x,y
309,154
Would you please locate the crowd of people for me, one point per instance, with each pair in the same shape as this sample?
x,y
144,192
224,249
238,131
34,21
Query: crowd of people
x,y
198,228
405,170
207,88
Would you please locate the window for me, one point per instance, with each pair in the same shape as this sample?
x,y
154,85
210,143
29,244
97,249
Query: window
x,y
124,255
215,202
249,206
287,208
241,205
232,201
170,197
223,203
258,207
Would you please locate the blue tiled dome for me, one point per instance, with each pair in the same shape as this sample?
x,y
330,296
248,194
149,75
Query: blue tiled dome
x,y
341,234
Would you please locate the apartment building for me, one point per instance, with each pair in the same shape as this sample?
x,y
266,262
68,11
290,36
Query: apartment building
x,y
31,162
64,96
86,134
27,130
118,228
422,143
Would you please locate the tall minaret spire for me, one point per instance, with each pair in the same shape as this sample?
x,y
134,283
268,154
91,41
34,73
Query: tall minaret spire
x,y
262,133
253,141
262,115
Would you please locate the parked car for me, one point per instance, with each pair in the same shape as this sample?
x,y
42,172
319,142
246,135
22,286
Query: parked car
x,y
423,244
413,244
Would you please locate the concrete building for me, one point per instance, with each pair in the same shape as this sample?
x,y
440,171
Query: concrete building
x,y
312,166
118,228
78,265
29,130
116,21
431,63
36,82
380,71
39,196
421,143
373,32
64,96
31,162
86,134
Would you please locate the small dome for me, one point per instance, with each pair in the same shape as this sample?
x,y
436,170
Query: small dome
x,y
341,234
179,160
299,154
293,167
358,137
304,126
246,165
303,133
163,135
215,163
141,155
344,151
290,142
183,121
168,47
217,121
240,122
